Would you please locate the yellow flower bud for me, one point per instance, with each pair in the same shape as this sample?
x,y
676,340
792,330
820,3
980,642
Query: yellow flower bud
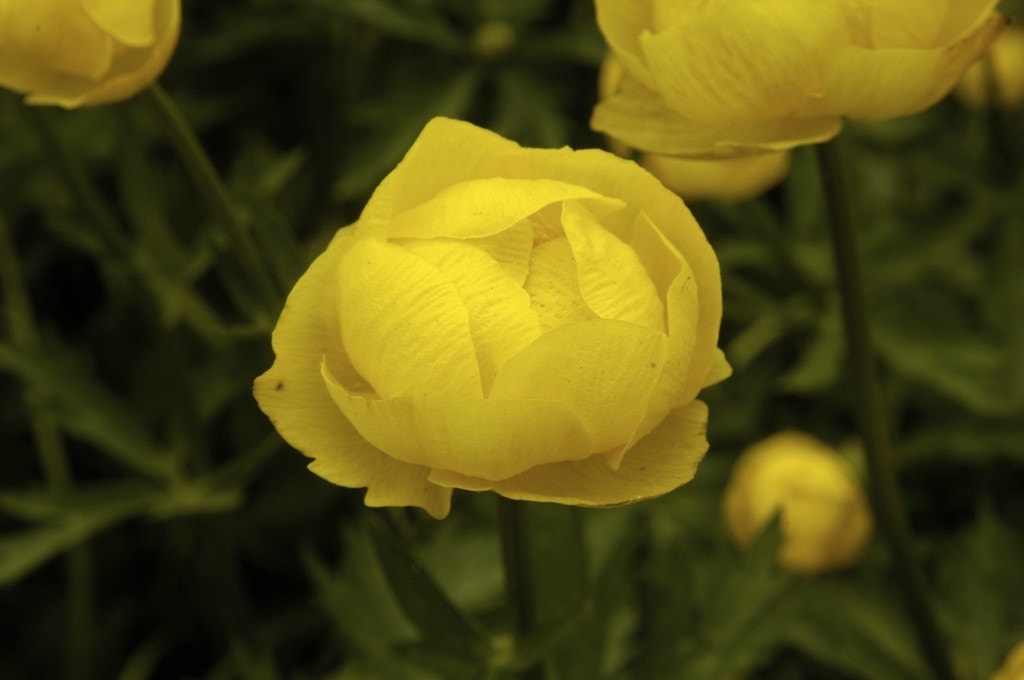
x,y
533,321
825,519
998,78
1013,666
73,53
723,78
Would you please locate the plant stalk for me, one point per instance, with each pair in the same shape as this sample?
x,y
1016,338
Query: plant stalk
x,y
212,187
515,552
53,461
871,413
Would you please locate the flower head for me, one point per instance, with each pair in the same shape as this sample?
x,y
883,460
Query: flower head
x,y
734,76
537,322
75,53
825,519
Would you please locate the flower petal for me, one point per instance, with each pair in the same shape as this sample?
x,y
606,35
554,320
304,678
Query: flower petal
x,y
622,24
612,280
641,119
743,62
486,438
510,248
404,325
553,286
130,22
729,179
483,207
661,462
602,370
501,321
881,84
293,395
56,36
446,153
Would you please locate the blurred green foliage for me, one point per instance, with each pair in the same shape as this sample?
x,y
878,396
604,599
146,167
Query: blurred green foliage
x,y
153,525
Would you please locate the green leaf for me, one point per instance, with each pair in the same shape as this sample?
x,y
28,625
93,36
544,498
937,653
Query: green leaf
x,y
85,409
858,628
442,625
743,613
70,520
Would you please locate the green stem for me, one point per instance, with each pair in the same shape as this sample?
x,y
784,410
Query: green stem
x,y
74,177
515,551
888,503
212,187
54,464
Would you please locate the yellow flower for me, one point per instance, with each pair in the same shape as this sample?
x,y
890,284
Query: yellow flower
x,y
825,519
75,53
533,321
727,179
1005,63
1013,667
731,76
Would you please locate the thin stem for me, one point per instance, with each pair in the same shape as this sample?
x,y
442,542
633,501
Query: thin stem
x,y
515,551
74,177
54,464
210,184
891,514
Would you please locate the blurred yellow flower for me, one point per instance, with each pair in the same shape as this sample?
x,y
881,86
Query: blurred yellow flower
x,y
825,519
75,53
726,179
998,78
533,321
1013,666
733,76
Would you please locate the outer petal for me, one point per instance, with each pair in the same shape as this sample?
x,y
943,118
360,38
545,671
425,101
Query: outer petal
x,y
661,462
612,280
446,152
404,325
55,36
602,370
729,179
882,84
130,72
130,22
293,395
640,118
483,207
743,62
486,438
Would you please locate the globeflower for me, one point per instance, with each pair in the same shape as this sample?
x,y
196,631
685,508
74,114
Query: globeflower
x,y
825,519
733,76
536,322
73,53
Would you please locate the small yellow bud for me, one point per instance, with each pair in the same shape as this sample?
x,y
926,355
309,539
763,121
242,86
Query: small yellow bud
x,y
1013,667
825,519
